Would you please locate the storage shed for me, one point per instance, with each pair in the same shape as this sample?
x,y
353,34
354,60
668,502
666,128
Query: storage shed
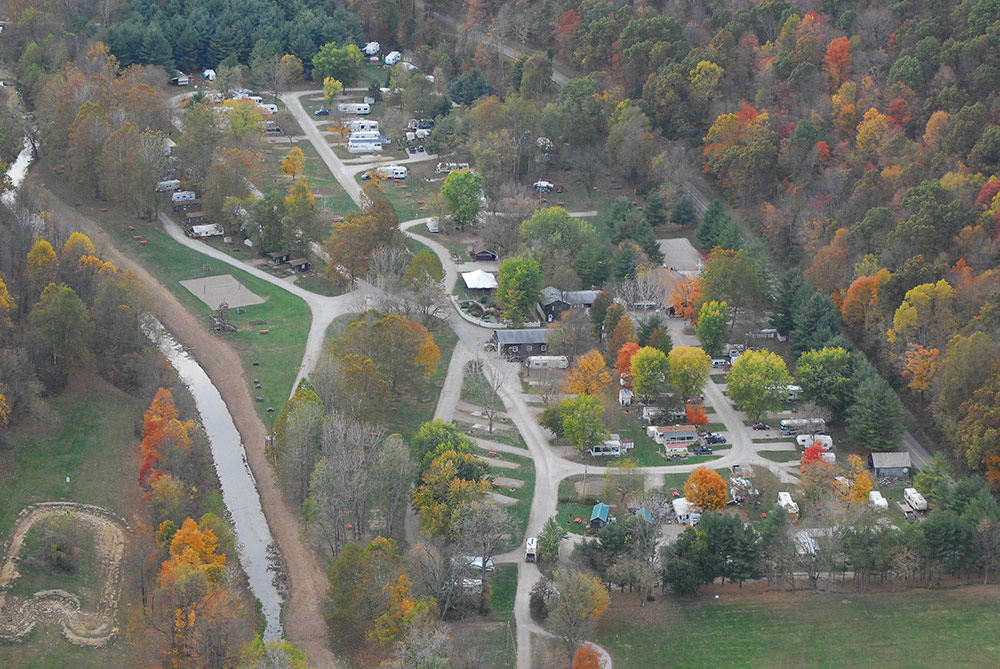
x,y
300,264
890,465
485,256
599,516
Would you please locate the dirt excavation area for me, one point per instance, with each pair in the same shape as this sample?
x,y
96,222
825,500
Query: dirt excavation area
x,y
81,625
302,613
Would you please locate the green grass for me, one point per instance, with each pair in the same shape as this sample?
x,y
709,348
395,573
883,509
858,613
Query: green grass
x,y
716,427
915,627
278,353
319,284
330,195
522,509
646,453
406,194
503,587
416,407
567,511
781,456
774,440
87,434
691,460
37,576
448,240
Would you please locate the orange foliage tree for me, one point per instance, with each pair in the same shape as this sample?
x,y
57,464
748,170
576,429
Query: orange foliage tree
x,y
684,296
589,376
586,658
706,489
154,426
813,453
919,365
696,414
837,61
192,555
623,366
860,481
858,308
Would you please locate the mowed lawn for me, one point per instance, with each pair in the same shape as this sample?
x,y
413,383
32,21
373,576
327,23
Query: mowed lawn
x,y
917,627
278,353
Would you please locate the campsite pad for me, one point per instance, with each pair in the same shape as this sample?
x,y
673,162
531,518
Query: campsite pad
x,y
212,290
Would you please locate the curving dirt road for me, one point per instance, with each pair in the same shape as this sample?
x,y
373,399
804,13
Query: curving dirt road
x,y
303,612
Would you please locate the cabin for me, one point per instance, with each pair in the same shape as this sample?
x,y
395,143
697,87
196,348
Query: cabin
x,y
599,516
203,231
672,434
194,217
300,264
278,257
554,301
528,341
485,256
890,465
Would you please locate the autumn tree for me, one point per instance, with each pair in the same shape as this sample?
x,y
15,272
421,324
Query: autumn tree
x,y
967,363
859,481
623,480
649,368
706,489
586,658
453,481
684,295
738,279
925,317
695,414
919,366
623,333
689,369
403,351
741,151
42,268
576,606
341,63
711,327
581,421
859,307
757,382
331,89
301,226
623,364
837,61
589,375
293,163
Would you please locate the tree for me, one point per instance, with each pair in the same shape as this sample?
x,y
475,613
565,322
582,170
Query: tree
x,y
837,61
552,229
589,375
757,382
331,89
193,561
437,434
630,142
553,534
452,481
826,378
244,120
581,419
61,329
289,71
932,480
711,328
623,480
301,226
586,658
919,365
343,64
623,333
469,87
718,229
875,419
294,162
623,364
649,370
572,335
737,278
462,191
479,530
689,370
925,317
683,212
576,606
705,489
277,654
403,351
519,283
859,481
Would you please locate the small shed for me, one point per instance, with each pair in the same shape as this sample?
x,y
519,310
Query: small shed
x,y
194,217
890,465
485,256
625,397
300,264
521,341
599,516
278,257
645,515
479,280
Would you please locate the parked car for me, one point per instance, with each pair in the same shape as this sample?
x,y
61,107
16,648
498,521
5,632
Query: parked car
x,y
514,358
420,149
476,564
761,426
715,439
412,149
322,111
703,450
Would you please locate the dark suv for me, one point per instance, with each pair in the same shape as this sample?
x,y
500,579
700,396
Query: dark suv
x,y
703,450
715,439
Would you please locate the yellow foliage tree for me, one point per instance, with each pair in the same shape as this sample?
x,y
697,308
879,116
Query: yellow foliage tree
x,y
294,162
919,364
859,482
870,131
76,246
706,489
43,265
7,304
331,89
589,376
4,411
406,610
192,554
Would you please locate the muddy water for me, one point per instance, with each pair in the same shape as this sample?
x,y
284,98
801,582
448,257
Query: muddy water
x,y
239,489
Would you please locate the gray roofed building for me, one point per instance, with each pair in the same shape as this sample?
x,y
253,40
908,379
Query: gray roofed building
x,y
555,301
512,341
894,465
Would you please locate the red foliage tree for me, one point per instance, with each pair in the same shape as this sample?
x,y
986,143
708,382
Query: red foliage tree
x,y
838,61
586,658
899,113
154,429
623,364
696,414
813,454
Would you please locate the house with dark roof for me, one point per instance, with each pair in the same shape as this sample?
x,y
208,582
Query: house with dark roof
x,y
554,301
890,465
528,341
300,264
485,255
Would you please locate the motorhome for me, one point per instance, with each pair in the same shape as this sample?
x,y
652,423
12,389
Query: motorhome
x,y
364,145
547,362
267,108
916,501
393,57
391,171
531,549
807,425
877,500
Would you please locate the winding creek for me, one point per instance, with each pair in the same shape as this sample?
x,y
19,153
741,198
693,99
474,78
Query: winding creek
x,y
239,489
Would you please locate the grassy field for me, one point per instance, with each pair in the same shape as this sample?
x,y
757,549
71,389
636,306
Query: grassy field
x,y
937,628
521,510
781,456
503,585
331,198
406,195
566,512
87,434
676,481
278,353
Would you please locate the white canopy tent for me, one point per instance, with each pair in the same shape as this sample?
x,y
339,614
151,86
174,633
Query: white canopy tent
x,y
479,280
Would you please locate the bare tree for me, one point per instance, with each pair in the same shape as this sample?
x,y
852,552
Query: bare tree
x,y
644,287
437,571
481,528
572,335
487,380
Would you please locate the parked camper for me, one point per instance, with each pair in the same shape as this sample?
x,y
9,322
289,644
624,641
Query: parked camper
x,y
432,226
169,184
807,440
531,549
371,48
785,502
255,98
876,499
914,499
809,425
366,134
608,449
445,168
391,171
718,363
547,362
182,196
354,108
829,458
364,145
267,108
362,124
393,57
675,451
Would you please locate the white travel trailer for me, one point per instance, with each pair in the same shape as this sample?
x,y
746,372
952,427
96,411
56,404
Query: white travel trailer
x,y
393,57
362,125
354,108
169,184
182,196
371,48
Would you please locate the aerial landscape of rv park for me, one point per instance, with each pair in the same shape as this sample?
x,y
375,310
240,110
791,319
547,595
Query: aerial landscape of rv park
x,y
590,334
